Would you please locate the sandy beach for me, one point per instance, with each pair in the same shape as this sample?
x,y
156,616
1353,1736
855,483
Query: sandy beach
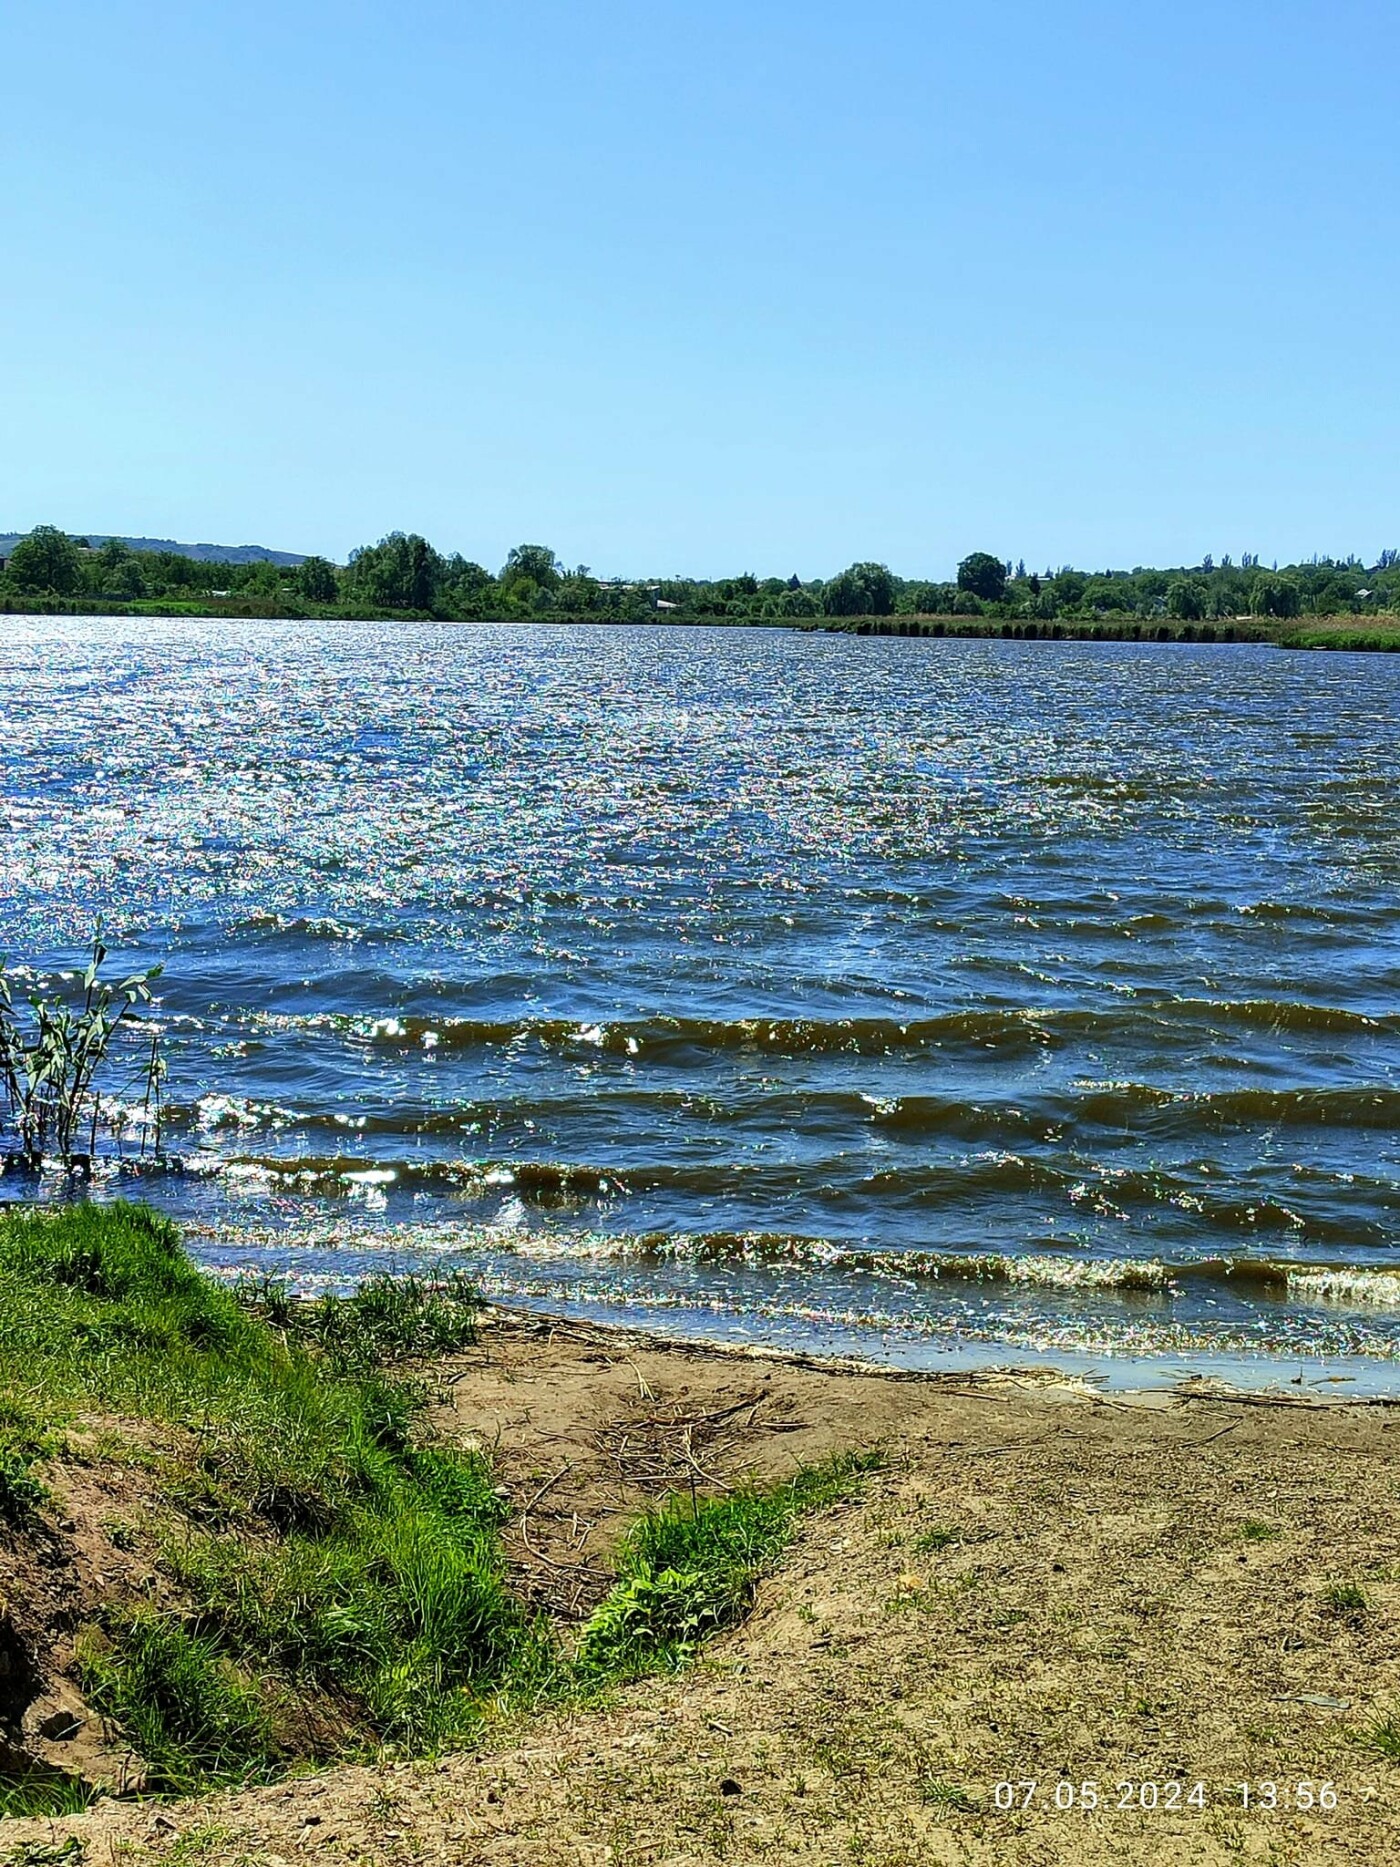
x,y
1112,1612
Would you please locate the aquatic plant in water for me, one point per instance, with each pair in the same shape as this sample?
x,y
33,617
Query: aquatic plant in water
x,y
51,1066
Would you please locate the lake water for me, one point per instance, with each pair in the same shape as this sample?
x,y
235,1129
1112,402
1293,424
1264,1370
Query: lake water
x,y
933,1000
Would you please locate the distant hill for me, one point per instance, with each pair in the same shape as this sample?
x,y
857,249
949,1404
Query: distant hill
x,y
208,554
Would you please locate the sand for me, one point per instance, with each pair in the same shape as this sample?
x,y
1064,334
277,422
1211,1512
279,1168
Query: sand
x,y
1106,1599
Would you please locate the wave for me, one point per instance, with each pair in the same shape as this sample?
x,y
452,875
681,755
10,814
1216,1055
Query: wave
x,y
1068,1270
675,1037
777,1251
302,926
1120,1104
680,1038
968,1182
1113,1106
1276,1014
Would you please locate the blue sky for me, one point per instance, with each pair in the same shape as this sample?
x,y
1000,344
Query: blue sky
x,y
753,284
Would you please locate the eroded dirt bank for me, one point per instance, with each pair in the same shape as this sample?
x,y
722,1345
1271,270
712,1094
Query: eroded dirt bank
x,y
1041,1586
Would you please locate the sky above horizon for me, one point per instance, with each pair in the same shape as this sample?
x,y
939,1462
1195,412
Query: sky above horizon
x,y
679,288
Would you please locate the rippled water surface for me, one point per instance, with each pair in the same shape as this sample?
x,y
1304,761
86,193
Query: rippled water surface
x,y
919,998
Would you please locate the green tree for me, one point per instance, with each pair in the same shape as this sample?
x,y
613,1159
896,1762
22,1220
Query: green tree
x,y
1277,596
466,589
1068,587
578,593
1186,599
862,590
315,580
123,576
46,562
401,572
535,562
1105,593
926,599
984,576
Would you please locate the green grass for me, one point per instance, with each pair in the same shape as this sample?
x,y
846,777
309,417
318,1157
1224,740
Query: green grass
x,y
331,1584
42,1793
23,1447
69,1851
320,1554
1383,634
1348,1601
942,1536
689,1569
385,1319
1382,1736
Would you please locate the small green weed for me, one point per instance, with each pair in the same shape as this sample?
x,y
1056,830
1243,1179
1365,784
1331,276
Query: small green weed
x,y
21,1493
65,1853
1382,1736
1348,1601
23,1445
1254,1532
942,1536
940,1795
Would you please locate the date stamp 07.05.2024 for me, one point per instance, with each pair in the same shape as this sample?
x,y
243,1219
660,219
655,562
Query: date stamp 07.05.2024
x,y
1305,1795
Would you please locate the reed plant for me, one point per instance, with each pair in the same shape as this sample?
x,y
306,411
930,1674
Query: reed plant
x,y
54,1063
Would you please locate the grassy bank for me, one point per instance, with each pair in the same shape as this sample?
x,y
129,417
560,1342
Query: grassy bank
x,y
1347,632
289,1566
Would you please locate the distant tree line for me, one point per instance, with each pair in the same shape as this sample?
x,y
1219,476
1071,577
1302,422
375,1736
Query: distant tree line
x,y
404,574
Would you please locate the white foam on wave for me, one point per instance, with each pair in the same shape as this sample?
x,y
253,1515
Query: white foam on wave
x,y
1358,1288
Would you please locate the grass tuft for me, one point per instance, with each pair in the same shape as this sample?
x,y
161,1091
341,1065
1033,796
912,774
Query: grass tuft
x,y
938,1794
1348,1601
689,1569
42,1793
1382,1736
942,1536
182,1704
385,1319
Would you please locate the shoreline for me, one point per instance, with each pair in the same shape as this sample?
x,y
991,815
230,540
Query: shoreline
x,y
968,1365
1042,1583
1345,632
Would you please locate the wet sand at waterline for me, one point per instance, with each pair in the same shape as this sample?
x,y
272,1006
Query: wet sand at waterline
x,y
1043,1584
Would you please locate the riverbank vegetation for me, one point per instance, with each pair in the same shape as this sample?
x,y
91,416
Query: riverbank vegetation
x,y
403,575
1041,1582
232,1545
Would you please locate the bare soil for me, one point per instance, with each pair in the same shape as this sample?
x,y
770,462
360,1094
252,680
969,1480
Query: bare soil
x,y
1112,1597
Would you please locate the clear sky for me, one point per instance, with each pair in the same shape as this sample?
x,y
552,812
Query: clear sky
x,y
740,284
